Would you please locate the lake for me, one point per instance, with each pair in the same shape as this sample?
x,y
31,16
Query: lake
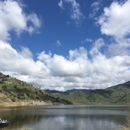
x,y
66,117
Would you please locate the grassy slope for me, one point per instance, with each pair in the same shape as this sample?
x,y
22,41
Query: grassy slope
x,y
14,90
119,94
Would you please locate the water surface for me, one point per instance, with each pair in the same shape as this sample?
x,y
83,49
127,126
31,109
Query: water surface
x,y
68,117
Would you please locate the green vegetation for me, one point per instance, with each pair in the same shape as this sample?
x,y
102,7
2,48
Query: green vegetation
x,y
119,94
14,90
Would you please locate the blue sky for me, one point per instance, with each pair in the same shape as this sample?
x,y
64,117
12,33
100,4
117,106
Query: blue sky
x,y
66,44
58,26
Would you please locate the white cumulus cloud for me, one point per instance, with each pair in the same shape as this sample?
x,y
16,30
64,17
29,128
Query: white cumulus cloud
x,y
115,20
52,71
20,62
13,18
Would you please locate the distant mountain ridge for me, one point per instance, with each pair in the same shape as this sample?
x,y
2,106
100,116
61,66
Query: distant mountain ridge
x,y
119,94
14,92
67,91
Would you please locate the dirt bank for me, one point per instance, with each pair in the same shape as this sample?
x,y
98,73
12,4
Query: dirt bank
x,y
25,103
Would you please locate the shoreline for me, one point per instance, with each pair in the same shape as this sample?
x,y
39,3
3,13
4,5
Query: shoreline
x,y
25,103
40,103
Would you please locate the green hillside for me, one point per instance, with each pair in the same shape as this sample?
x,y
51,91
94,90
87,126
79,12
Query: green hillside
x,y
119,94
13,90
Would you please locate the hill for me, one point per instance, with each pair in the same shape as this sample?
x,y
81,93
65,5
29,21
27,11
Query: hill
x,y
14,92
67,91
119,94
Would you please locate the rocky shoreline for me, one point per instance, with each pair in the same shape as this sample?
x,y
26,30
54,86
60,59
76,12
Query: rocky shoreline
x,y
27,103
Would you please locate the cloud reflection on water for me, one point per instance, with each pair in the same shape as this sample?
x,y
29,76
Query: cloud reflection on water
x,y
75,123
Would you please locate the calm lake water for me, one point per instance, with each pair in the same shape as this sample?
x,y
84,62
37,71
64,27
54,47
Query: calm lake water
x,y
68,117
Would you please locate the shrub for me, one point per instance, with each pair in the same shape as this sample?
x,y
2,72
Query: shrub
x,y
1,90
15,86
13,99
37,98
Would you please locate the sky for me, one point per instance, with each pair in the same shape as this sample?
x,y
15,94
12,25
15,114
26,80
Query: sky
x,y
66,44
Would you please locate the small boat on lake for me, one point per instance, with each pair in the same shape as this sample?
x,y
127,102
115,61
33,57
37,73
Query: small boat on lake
x,y
4,122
